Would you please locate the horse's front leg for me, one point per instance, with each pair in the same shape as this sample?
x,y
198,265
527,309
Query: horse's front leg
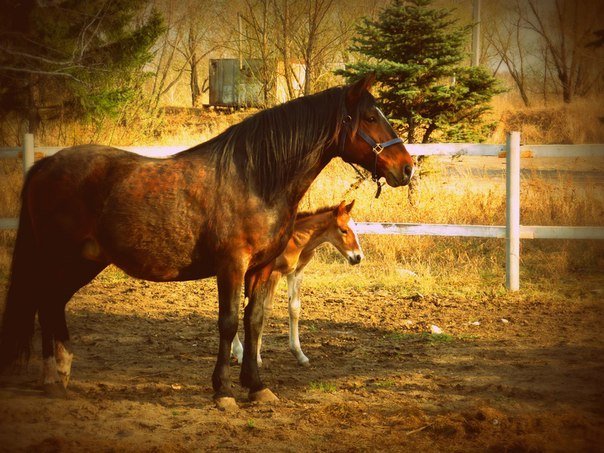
x,y
258,288
230,281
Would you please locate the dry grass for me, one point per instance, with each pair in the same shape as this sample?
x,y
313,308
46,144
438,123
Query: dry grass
x,y
556,123
471,191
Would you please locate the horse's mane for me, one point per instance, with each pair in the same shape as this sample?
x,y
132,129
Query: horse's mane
x,y
277,145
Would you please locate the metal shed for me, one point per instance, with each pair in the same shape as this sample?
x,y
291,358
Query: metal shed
x,y
233,86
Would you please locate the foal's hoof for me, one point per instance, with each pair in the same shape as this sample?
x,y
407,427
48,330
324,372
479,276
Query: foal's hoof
x,y
54,390
64,379
263,396
226,404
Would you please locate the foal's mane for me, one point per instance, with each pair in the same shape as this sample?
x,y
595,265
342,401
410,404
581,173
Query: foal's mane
x,y
278,145
304,214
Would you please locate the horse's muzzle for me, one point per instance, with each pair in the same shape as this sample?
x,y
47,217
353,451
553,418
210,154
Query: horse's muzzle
x,y
395,180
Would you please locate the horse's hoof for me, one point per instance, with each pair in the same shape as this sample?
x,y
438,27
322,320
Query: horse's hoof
x,y
54,390
305,363
263,396
226,403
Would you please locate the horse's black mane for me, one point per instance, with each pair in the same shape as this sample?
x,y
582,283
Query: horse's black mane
x,y
277,145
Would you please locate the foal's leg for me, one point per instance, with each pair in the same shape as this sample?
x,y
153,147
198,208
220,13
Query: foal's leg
x,y
230,281
294,280
237,349
257,289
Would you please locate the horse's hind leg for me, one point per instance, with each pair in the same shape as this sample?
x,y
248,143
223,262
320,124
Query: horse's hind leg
x,y
56,352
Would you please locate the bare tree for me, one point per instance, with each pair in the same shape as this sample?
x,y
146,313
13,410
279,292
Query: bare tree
x,y
566,27
508,39
193,33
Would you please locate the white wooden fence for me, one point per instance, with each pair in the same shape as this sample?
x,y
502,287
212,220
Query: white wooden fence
x,y
512,232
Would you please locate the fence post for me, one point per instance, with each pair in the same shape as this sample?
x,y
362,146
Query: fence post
x,y
28,152
512,223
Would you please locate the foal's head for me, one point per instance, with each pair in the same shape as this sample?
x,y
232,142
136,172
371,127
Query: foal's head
x,y
341,233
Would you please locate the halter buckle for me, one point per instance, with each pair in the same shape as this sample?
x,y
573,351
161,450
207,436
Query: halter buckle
x,y
378,148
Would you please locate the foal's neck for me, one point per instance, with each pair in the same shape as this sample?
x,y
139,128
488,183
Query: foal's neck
x,y
309,232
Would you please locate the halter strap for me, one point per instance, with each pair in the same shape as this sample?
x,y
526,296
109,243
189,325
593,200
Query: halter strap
x,y
376,147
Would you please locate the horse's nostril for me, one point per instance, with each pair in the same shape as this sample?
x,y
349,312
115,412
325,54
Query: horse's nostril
x,y
408,170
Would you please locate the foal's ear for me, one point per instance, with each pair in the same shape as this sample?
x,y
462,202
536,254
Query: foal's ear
x,y
341,209
356,90
349,206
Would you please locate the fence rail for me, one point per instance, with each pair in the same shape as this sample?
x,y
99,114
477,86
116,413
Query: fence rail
x,y
512,232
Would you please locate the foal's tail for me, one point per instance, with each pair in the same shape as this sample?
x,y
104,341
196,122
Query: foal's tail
x,y
21,307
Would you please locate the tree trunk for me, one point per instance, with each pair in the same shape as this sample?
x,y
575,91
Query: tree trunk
x,y
194,78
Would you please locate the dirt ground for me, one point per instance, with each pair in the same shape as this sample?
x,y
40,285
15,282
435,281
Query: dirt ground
x,y
510,373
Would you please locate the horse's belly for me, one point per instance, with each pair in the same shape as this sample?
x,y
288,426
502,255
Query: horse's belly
x,y
156,255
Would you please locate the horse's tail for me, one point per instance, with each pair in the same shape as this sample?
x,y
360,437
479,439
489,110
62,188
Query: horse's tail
x,y
21,305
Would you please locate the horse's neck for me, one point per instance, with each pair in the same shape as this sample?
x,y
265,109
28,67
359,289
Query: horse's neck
x,y
296,190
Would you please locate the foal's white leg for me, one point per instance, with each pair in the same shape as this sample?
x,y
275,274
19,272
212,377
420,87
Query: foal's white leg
x,y
237,349
293,289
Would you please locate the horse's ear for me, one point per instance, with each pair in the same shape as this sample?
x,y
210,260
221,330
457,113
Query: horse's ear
x,y
349,206
341,209
359,87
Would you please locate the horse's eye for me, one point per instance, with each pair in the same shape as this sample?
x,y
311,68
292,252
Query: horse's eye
x,y
371,119
343,231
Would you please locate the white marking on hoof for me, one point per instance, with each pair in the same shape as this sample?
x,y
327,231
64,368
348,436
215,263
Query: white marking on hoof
x,y
64,358
263,396
226,403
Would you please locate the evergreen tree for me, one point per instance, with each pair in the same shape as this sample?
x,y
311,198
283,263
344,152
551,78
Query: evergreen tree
x,y
417,53
87,57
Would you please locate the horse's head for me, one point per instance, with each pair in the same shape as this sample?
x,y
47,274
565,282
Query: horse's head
x,y
342,235
368,139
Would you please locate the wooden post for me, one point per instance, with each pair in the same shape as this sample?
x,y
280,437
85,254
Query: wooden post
x,y
28,152
512,224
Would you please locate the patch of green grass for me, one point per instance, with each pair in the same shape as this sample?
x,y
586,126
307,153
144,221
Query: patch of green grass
x,y
468,337
320,386
251,424
437,338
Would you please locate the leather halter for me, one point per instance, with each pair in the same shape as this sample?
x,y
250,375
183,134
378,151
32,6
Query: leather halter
x,y
376,147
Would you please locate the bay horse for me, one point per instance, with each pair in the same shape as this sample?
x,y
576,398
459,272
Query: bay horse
x,y
311,229
223,208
